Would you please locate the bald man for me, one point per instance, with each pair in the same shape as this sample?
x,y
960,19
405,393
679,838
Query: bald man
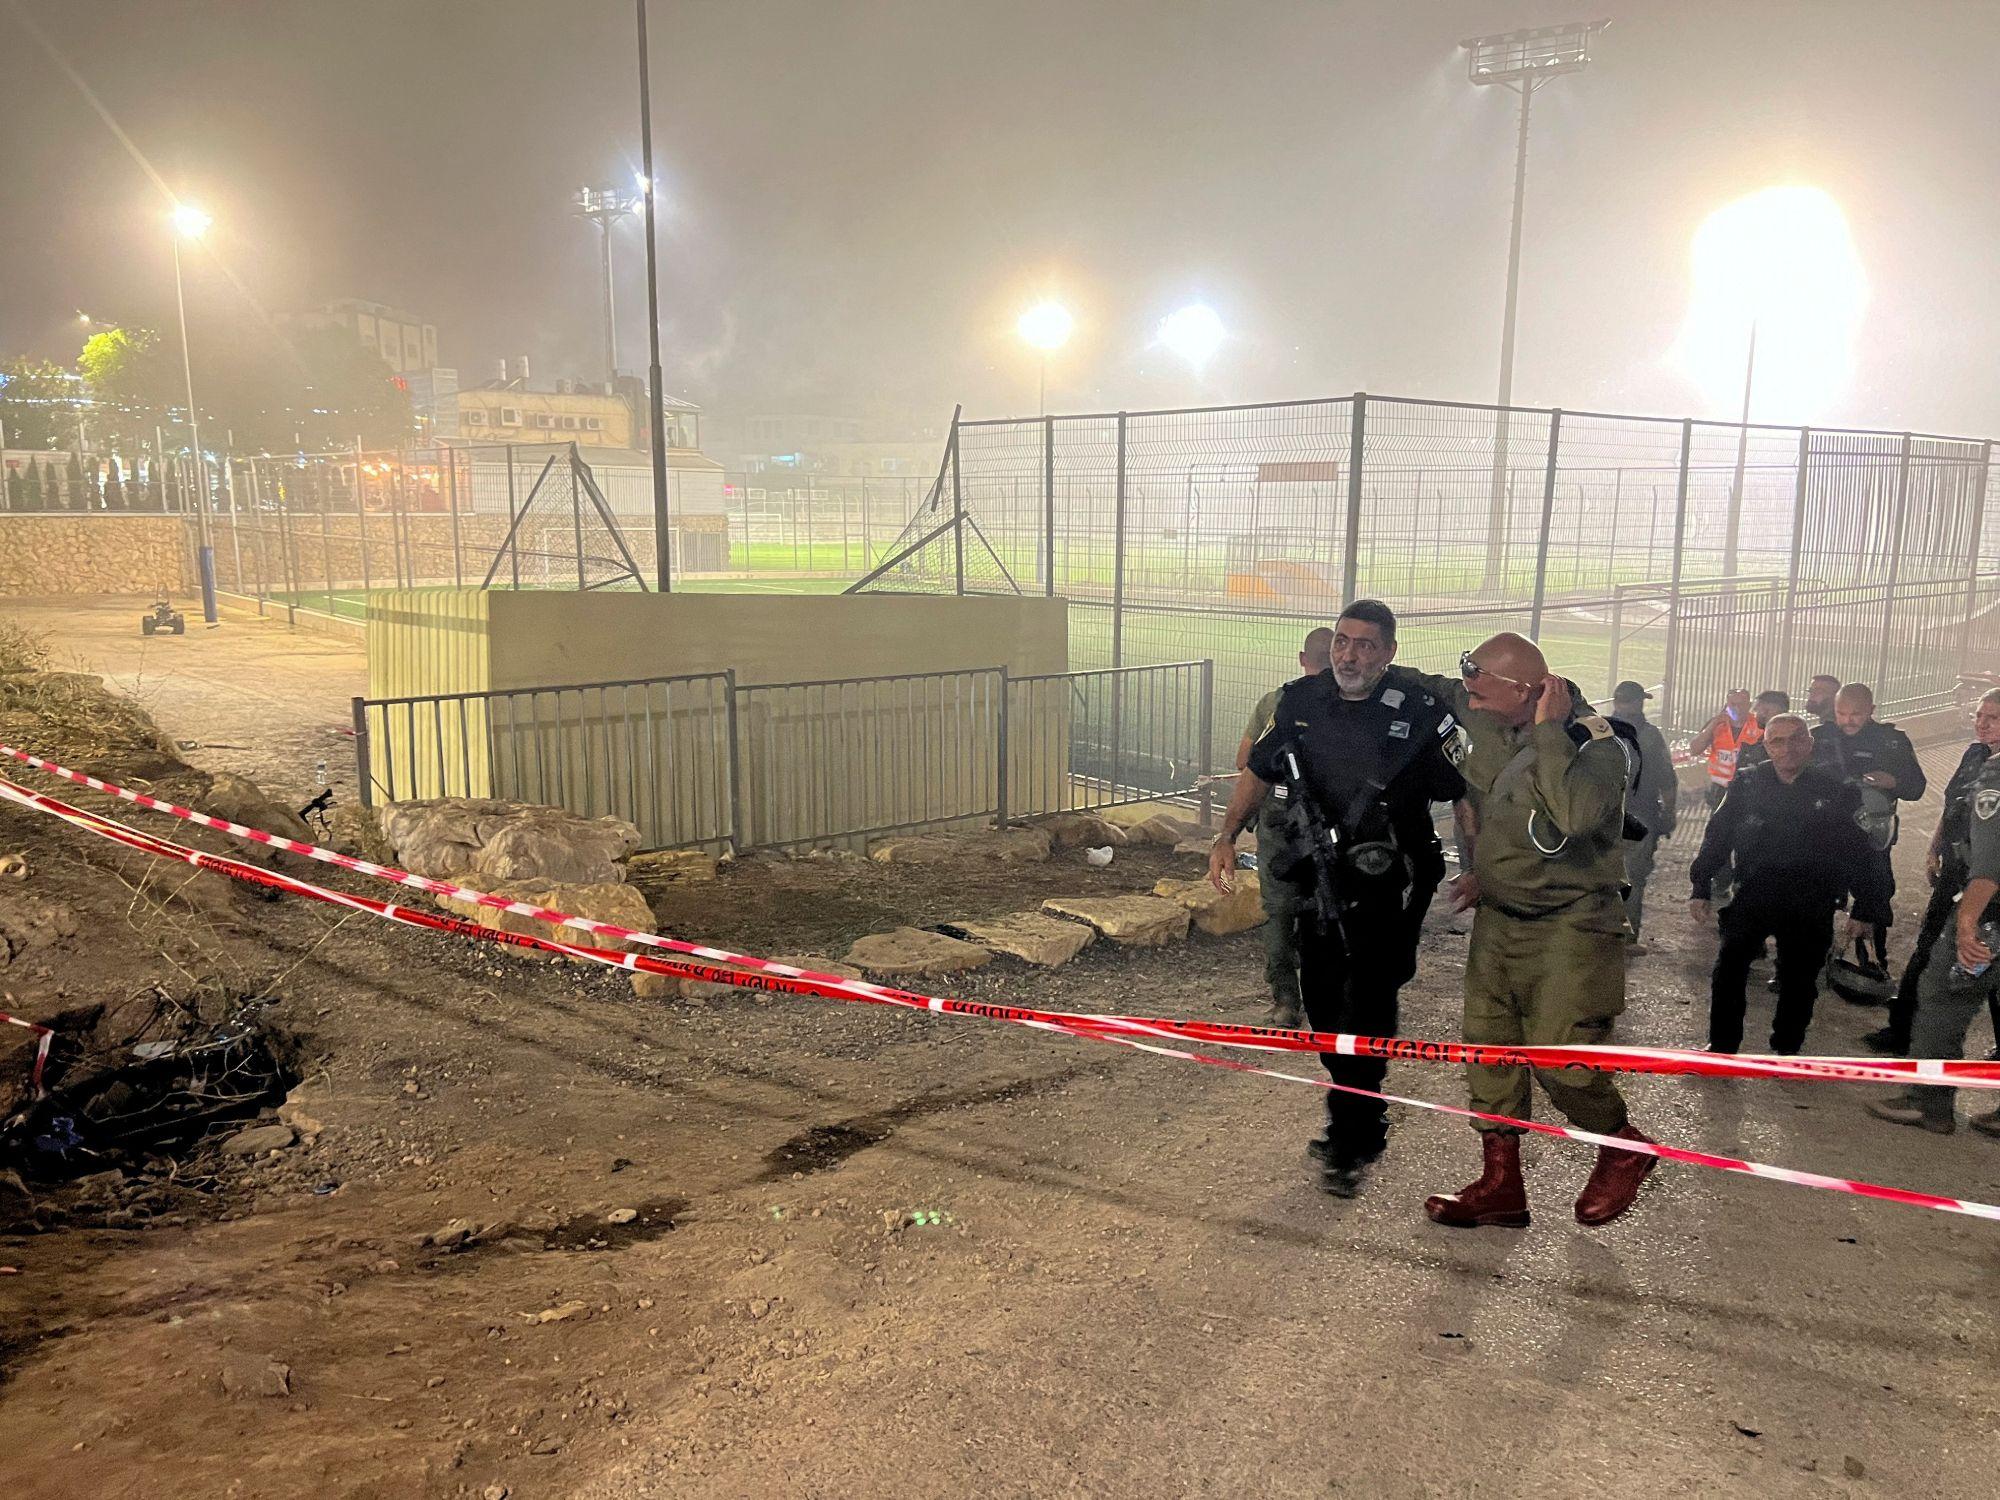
x,y
1879,762
1547,962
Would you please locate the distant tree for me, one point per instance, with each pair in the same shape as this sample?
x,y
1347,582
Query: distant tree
x,y
38,402
31,487
114,484
78,491
16,500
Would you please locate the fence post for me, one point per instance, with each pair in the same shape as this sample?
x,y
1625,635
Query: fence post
x,y
1617,637
1350,556
867,540
1674,577
1000,767
1786,633
957,512
236,520
1972,552
1207,751
1049,504
1118,555
576,518
363,761
1548,514
450,458
513,543
735,757
1881,682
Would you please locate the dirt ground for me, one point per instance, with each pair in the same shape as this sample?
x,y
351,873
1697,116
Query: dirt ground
x,y
880,1252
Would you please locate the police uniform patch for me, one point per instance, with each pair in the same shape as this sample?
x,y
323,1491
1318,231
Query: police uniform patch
x,y
1400,730
1392,697
1985,804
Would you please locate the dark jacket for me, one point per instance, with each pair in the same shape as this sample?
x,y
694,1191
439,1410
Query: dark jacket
x,y
1796,846
1655,800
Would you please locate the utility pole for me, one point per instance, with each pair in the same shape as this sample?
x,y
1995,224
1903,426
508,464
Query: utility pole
x,y
1735,530
649,190
1523,61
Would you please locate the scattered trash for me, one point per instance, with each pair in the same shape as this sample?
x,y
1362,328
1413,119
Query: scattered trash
x,y
14,865
1098,857
153,1051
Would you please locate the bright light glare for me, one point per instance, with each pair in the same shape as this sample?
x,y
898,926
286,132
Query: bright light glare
x,y
1193,333
1783,259
190,221
1046,326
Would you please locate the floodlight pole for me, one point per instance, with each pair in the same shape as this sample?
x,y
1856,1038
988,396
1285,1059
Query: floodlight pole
x,y
1735,529
662,548
604,207
1496,518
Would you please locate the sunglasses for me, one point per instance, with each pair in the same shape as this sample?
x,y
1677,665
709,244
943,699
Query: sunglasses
x,y
1469,669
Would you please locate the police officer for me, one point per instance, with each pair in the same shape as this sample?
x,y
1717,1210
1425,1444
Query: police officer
x,y
1879,762
1279,897
1945,865
1789,831
1362,762
1655,801
1962,975
1547,961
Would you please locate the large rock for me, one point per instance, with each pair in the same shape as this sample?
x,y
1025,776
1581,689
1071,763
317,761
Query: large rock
x,y
1213,912
683,865
259,1139
241,800
602,901
1028,936
1011,846
1131,921
446,838
1072,830
909,950
1164,829
357,830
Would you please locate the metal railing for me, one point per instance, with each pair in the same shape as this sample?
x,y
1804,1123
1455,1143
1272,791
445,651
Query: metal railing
x,y
704,760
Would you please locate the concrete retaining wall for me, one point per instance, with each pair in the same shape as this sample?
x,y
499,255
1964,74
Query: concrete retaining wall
x,y
93,554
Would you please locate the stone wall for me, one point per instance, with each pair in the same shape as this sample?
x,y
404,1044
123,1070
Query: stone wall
x,y
94,554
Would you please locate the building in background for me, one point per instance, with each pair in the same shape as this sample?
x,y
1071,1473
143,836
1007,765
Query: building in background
x,y
407,344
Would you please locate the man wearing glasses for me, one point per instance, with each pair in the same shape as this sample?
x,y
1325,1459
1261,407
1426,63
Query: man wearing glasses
x,y
1546,965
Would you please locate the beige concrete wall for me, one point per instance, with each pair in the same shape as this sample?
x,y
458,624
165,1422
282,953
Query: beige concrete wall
x,y
842,757
546,636
94,554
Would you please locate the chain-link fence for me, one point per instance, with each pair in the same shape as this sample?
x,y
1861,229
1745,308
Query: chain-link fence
x,y
1694,556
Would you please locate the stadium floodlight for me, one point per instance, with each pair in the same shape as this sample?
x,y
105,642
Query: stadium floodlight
x,y
605,207
1193,333
1045,327
1522,61
190,222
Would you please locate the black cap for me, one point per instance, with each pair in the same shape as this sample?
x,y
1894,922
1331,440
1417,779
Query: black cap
x,y
1629,692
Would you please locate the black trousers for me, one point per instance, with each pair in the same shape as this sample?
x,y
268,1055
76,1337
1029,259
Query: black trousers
x,y
1354,988
1941,912
1802,933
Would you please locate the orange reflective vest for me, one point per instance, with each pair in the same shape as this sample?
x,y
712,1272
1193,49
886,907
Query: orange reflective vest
x,y
1729,742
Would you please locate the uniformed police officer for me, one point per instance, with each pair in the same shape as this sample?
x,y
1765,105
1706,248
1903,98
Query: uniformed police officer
x,y
1789,832
1962,975
1280,897
1362,762
1879,762
1547,961
1944,863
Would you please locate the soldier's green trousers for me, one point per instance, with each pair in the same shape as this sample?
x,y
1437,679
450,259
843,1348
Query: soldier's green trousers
x,y
1546,982
1281,906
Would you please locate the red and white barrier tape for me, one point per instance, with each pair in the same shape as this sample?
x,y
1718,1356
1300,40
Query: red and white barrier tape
x,y
1616,1059
46,1036
1078,1026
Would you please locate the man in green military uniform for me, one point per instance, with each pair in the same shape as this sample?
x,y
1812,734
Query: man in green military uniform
x,y
1280,897
1547,960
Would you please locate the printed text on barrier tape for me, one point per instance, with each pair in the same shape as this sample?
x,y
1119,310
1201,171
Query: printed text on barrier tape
x,y
1616,1059
1075,1027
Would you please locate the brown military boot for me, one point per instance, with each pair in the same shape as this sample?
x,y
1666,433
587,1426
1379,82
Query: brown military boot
x,y
1498,1198
1614,1181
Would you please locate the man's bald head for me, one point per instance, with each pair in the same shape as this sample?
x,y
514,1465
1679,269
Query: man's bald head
x,y
1317,653
1853,707
1509,677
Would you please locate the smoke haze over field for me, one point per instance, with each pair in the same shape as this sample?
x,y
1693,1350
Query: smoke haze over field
x,y
861,197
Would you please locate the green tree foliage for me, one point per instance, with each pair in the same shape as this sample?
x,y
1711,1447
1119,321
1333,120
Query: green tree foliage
x,y
38,402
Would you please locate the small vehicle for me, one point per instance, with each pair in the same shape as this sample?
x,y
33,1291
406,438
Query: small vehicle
x,y
164,617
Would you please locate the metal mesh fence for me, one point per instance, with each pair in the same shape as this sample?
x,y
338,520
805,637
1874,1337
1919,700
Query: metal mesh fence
x,y
1693,556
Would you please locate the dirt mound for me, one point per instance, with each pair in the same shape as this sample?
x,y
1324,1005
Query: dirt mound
x,y
75,718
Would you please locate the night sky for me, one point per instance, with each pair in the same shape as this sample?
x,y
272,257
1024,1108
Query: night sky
x,y
860,195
